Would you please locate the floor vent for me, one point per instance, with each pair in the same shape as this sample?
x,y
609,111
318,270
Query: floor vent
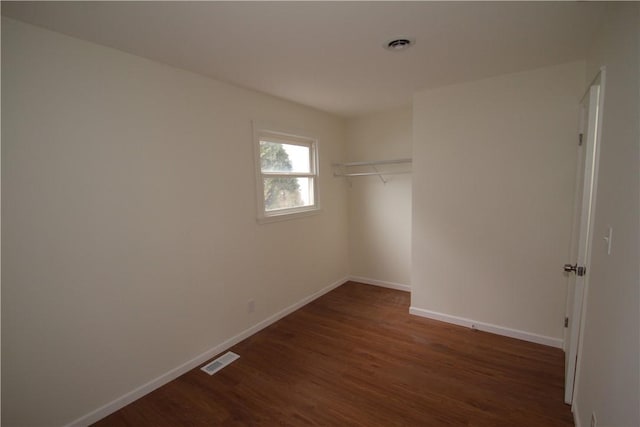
x,y
220,363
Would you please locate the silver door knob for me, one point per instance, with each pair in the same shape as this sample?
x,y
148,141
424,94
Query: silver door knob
x,y
580,271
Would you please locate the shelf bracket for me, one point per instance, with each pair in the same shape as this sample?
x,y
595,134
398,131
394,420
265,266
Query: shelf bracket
x,y
384,181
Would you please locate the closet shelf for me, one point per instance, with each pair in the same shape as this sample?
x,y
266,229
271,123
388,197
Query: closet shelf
x,y
343,169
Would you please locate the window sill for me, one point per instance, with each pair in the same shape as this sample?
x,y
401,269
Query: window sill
x,y
284,216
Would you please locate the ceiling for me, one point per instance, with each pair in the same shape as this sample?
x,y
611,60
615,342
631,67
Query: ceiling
x,y
329,55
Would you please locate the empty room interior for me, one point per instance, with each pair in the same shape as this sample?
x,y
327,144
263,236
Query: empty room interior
x,y
320,213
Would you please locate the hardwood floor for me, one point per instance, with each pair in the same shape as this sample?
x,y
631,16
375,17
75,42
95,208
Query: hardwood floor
x,y
355,357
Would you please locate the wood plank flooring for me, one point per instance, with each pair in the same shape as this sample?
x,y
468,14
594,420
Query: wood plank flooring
x,y
355,357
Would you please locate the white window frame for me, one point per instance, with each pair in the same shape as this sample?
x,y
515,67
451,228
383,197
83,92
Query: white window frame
x,y
285,136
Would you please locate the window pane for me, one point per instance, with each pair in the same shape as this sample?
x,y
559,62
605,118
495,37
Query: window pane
x,y
287,193
277,157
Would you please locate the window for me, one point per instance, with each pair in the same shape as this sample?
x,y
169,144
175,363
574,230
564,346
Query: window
x,y
287,174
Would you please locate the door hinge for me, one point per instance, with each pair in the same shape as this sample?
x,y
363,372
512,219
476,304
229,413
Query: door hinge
x,y
580,139
566,322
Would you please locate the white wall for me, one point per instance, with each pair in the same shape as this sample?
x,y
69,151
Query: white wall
x,y
493,187
380,214
130,243
608,377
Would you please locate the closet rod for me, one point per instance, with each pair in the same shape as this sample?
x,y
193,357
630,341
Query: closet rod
x,y
374,173
376,162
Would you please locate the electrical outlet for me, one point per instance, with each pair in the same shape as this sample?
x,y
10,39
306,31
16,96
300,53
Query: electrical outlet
x,y
251,306
594,421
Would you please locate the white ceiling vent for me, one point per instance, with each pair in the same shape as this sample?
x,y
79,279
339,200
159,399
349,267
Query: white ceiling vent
x,y
220,362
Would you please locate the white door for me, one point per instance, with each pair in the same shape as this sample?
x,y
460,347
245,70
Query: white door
x,y
581,237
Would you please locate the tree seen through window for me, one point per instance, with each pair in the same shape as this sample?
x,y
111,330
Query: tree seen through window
x,y
279,192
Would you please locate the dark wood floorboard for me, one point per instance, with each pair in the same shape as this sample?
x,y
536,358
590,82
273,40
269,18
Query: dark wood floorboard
x,y
355,357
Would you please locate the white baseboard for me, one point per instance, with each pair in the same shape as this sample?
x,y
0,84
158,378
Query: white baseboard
x,y
381,283
488,327
163,379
